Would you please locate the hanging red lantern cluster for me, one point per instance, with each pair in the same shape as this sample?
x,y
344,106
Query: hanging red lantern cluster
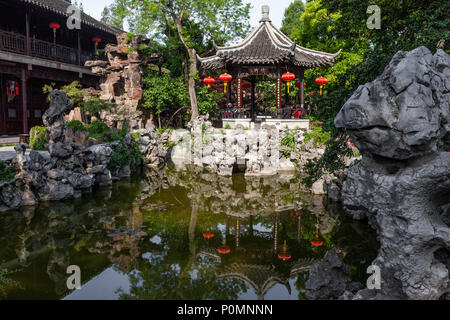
x,y
284,254
12,88
209,81
288,77
321,81
225,78
55,26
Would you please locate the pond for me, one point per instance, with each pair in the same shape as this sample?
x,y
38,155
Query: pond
x,y
179,235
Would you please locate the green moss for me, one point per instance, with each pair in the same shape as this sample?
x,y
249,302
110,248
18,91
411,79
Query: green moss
x,y
227,126
37,138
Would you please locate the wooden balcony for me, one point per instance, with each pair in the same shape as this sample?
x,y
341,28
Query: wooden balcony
x,y
17,43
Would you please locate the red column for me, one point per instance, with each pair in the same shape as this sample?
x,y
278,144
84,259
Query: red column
x,y
239,92
279,92
23,80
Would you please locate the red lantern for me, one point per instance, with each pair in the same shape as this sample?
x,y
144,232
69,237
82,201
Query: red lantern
x,y
225,78
288,77
12,88
97,40
209,81
55,26
246,85
321,81
448,149
284,255
224,249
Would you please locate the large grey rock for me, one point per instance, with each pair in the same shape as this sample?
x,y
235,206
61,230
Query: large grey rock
x,y
404,113
400,122
329,278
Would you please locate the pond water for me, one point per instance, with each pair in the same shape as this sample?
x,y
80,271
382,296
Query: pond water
x,y
172,235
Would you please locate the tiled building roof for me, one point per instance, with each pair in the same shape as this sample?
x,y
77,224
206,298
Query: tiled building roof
x,y
60,7
266,45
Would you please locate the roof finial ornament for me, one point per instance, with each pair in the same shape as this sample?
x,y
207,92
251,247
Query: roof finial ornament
x,y
265,13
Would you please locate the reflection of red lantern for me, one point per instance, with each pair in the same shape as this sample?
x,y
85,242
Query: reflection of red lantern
x,y
225,78
55,26
246,85
209,81
224,249
284,255
321,81
448,150
208,234
288,77
317,242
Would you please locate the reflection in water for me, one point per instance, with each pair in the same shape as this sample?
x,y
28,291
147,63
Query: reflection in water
x,y
171,235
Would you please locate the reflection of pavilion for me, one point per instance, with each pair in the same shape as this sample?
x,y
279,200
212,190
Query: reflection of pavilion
x,y
260,278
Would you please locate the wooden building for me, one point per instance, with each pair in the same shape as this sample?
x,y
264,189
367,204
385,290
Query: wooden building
x,y
37,48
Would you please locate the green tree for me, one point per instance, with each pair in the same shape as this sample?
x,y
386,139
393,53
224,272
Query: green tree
x,y
194,22
292,15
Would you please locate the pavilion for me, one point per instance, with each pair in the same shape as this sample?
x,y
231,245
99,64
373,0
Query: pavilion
x,y
266,51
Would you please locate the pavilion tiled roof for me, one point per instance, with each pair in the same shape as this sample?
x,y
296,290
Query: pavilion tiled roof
x,y
60,7
266,45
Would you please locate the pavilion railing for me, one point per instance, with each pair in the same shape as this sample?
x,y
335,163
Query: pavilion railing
x,y
16,43
290,112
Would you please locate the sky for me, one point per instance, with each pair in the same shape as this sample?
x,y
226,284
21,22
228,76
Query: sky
x,y
95,7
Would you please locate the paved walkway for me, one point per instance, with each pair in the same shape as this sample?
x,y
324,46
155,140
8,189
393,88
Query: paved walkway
x,y
8,153
5,140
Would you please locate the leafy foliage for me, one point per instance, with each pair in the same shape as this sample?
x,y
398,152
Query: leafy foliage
x,y
37,138
6,173
124,155
76,125
318,135
5,280
95,105
98,129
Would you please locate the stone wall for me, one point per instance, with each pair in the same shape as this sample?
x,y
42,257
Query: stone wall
x,y
401,124
257,152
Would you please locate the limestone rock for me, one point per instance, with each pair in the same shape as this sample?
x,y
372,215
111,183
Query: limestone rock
x,y
400,123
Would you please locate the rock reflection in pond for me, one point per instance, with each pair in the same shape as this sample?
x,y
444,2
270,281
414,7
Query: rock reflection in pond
x,y
150,231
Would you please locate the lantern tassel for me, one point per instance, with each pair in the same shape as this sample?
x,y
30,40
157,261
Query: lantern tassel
x,y
225,87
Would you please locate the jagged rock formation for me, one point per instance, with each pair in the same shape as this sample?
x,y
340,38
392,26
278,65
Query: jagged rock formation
x,y
66,171
121,81
329,279
401,124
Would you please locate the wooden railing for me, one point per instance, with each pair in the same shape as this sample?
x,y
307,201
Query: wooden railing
x,y
16,43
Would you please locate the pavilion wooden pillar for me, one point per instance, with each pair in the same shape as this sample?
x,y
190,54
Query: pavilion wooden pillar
x,y
23,80
278,91
253,82
302,89
239,92
229,93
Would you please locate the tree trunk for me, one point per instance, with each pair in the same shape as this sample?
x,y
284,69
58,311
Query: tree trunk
x,y
191,82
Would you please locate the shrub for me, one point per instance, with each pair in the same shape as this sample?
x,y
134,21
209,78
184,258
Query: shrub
x,y
6,173
227,126
319,135
97,129
76,125
123,155
37,138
